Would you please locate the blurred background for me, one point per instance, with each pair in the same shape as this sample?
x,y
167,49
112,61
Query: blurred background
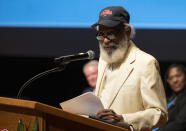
x,y
34,32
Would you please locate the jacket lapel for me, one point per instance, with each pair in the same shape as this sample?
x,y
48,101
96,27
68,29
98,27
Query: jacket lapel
x,y
101,69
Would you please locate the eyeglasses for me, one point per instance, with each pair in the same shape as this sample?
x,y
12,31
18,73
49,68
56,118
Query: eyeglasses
x,y
102,37
176,76
112,35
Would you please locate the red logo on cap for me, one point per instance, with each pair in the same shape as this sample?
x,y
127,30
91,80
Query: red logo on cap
x,y
106,12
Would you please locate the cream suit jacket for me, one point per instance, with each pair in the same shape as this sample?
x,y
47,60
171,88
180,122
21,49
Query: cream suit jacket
x,y
139,93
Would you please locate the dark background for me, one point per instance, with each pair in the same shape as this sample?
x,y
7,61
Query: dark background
x,y
26,52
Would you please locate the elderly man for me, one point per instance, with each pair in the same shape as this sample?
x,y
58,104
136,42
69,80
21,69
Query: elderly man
x,y
90,70
129,83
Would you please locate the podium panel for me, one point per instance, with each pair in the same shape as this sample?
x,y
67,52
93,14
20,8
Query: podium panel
x,y
43,117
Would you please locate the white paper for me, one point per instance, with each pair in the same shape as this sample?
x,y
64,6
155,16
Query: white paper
x,y
85,104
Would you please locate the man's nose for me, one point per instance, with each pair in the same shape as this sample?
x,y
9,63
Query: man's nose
x,y
106,40
175,80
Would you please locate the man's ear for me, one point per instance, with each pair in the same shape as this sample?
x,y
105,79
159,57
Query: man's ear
x,y
128,31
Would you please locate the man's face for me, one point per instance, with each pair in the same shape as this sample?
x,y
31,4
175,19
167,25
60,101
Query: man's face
x,y
113,43
176,79
111,37
91,73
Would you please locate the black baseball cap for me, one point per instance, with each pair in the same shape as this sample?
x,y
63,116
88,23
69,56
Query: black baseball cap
x,y
112,16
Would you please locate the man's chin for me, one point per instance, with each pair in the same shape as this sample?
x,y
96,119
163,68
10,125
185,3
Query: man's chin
x,y
107,55
109,52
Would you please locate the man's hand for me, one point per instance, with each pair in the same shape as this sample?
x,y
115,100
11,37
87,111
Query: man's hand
x,y
109,115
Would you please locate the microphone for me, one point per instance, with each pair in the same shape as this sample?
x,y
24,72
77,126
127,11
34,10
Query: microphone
x,y
70,58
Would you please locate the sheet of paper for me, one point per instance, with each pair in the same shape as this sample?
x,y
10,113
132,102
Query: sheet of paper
x,y
85,104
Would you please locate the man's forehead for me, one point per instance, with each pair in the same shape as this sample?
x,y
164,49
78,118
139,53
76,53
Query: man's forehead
x,y
104,28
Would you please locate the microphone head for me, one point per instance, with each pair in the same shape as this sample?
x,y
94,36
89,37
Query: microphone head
x,y
91,54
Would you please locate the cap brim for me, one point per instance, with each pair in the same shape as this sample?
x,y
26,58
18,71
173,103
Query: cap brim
x,y
94,25
107,23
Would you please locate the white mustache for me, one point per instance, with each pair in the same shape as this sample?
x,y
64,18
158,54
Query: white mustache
x,y
110,45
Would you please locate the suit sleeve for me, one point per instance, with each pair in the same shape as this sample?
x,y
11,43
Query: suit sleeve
x,y
153,97
179,124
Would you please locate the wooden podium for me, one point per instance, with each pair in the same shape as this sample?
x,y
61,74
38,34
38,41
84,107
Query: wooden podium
x,y
49,118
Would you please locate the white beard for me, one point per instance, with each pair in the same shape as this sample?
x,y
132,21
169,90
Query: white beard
x,y
115,55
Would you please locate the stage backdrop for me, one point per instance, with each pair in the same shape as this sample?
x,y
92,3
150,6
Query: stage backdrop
x,y
82,13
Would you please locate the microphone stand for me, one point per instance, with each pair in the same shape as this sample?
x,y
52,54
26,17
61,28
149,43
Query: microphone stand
x,y
61,67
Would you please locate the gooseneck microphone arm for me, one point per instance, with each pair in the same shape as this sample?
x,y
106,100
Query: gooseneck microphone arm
x,y
61,62
27,83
